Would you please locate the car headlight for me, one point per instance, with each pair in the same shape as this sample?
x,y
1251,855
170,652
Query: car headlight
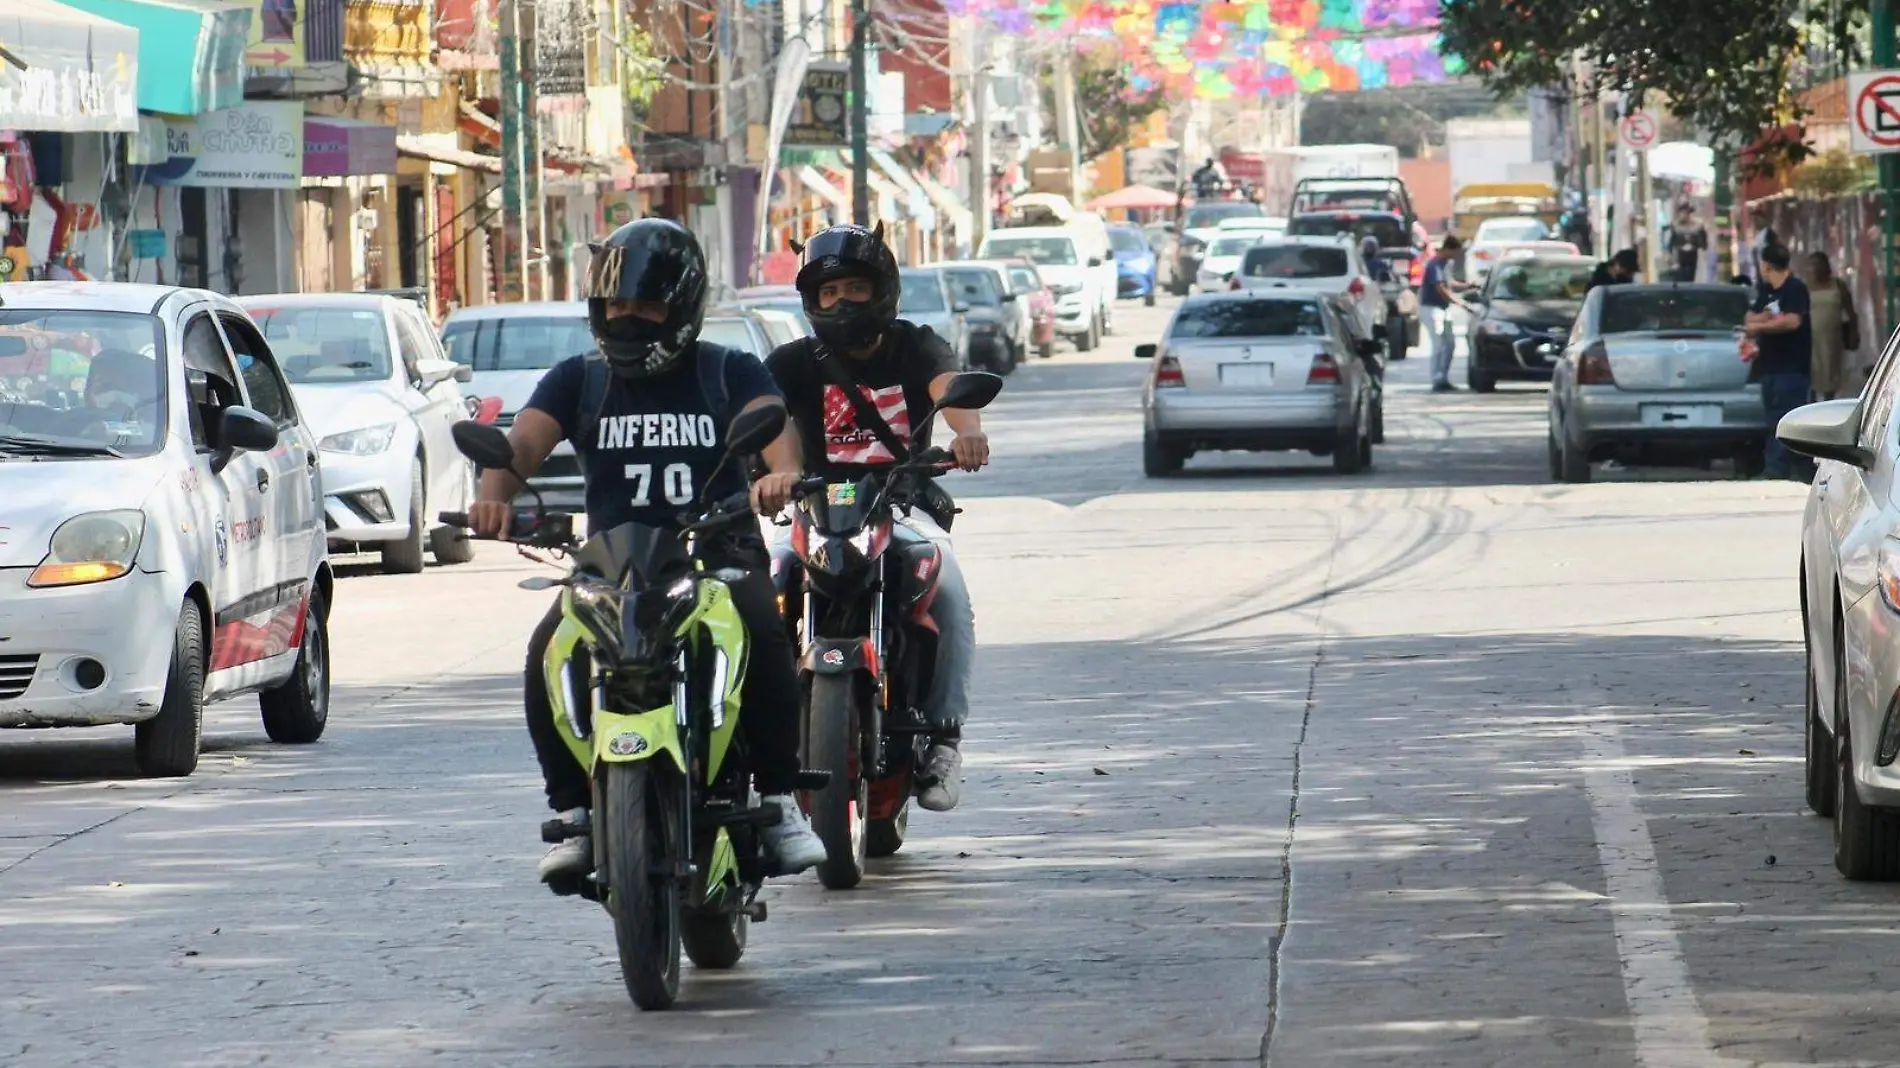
x,y
1499,328
93,547
1064,289
365,442
1889,572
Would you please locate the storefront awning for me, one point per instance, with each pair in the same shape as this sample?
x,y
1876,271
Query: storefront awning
x,y
818,184
335,147
962,221
66,71
191,52
912,196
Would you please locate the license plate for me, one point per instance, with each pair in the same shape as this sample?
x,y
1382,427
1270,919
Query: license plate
x,y
1682,415
1246,375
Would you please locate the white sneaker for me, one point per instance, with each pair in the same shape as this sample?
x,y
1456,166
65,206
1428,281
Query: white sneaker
x,y
575,856
791,839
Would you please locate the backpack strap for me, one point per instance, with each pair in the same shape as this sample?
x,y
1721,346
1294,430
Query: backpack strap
x,y
595,379
711,362
845,379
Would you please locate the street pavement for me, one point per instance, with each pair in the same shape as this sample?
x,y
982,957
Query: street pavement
x,y
1439,765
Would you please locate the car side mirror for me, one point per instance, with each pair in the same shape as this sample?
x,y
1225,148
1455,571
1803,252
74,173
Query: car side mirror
x,y
485,444
1146,352
960,306
1829,430
1009,298
1095,261
435,372
246,430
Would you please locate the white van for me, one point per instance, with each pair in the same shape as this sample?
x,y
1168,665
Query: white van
x,y
1081,274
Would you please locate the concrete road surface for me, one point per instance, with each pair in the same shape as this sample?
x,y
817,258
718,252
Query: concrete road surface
x,y
1441,765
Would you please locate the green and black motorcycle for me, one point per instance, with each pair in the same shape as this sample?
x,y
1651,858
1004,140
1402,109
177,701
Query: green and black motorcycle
x,y
644,675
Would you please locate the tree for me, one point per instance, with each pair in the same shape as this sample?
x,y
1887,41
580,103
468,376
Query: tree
x,y
1724,65
1107,107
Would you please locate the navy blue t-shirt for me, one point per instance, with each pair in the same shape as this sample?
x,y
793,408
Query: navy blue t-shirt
x,y
1790,353
1435,271
658,439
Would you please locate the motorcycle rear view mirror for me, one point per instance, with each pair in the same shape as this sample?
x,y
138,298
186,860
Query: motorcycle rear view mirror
x,y
755,428
483,443
971,390
539,582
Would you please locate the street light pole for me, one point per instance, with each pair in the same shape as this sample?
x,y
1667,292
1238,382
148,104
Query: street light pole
x,y
860,115
1884,59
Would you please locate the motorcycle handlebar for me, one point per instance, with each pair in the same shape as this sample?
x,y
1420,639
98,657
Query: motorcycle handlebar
x,y
548,529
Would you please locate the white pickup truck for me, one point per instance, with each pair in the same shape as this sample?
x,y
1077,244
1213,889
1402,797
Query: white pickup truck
x,y
1079,267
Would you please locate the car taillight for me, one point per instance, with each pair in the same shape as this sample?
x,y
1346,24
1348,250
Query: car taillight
x,y
1324,372
1593,367
1418,273
1357,288
1168,372
1234,282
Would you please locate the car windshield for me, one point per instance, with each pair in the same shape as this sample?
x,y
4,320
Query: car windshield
x,y
81,382
1204,215
319,345
1627,311
1248,318
1233,246
517,343
1387,229
1294,261
732,333
1127,241
923,294
1542,281
1024,278
1512,230
1049,251
976,286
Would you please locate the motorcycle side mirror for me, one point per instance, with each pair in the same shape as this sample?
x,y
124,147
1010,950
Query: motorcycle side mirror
x,y
483,443
754,429
538,583
971,390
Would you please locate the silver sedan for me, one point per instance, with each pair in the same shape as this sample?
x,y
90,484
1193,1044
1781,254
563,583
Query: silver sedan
x,y
1243,370
1655,373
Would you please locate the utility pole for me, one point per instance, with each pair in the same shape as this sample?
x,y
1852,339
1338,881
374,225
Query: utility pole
x,y
860,115
512,280
1645,215
1884,59
1068,136
980,151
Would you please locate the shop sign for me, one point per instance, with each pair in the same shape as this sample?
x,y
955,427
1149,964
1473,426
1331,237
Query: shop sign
x,y
276,41
822,117
257,145
146,244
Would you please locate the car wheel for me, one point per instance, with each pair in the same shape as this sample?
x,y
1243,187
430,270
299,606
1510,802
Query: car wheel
x,y
296,711
404,557
1350,450
1378,421
1088,340
1820,763
450,544
1148,298
1866,837
1751,461
1159,459
1573,464
1479,381
167,745
1047,350
1395,338
1555,455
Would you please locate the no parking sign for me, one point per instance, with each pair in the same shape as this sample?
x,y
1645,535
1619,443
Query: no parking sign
x,y
1874,96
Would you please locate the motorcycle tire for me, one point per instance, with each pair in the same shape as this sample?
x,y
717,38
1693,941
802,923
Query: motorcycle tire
x,y
714,940
638,843
832,724
885,837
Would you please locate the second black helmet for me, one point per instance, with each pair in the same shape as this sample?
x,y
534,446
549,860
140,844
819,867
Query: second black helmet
x,y
654,261
840,252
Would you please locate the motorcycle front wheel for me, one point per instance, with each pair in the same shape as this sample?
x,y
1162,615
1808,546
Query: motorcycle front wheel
x,y
643,898
832,725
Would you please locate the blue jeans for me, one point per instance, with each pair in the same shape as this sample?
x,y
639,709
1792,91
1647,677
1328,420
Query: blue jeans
x,y
1781,394
1439,330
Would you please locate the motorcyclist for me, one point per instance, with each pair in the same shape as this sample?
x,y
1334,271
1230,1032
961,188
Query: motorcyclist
x,y
850,286
647,416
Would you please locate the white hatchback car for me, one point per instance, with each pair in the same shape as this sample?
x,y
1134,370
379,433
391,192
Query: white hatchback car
x,y
160,534
372,379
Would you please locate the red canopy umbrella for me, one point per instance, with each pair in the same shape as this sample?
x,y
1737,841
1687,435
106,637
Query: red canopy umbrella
x,y
1136,197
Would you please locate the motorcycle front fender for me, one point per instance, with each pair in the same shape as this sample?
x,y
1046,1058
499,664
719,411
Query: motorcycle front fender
x,y
839,656
629,739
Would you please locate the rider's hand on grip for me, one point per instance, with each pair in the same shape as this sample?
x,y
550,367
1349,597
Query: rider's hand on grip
x,y
491,519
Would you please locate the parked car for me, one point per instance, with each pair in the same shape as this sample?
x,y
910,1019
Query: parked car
x,y
1195,228
1850,602
1526,310
377,389
1487,245
1135,264
998,318
1085,294
786,299
774,327
161,494
929,300
1028,284
509,347
1654,373
1259,371
1222,259
1401,249
1321,264
1257,224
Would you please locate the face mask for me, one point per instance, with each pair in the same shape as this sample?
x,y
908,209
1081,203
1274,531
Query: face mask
x,y
114,398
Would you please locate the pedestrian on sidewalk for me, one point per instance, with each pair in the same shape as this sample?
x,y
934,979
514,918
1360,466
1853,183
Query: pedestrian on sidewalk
x,y
1836,332
1440,294
1687,239
1781,323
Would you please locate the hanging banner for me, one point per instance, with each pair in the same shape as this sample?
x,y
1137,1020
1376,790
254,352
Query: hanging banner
x,y
257,145
793,63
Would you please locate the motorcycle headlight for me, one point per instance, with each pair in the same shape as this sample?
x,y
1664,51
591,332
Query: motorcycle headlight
x,y
93,547
861,541
368,441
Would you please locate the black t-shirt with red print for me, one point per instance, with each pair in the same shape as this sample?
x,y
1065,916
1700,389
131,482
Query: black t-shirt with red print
x,y
895,380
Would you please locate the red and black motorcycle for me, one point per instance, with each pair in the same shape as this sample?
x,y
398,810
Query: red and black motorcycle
x,y
859,611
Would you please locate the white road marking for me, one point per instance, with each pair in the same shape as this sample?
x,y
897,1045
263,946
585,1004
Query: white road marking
x,y
1671,1031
